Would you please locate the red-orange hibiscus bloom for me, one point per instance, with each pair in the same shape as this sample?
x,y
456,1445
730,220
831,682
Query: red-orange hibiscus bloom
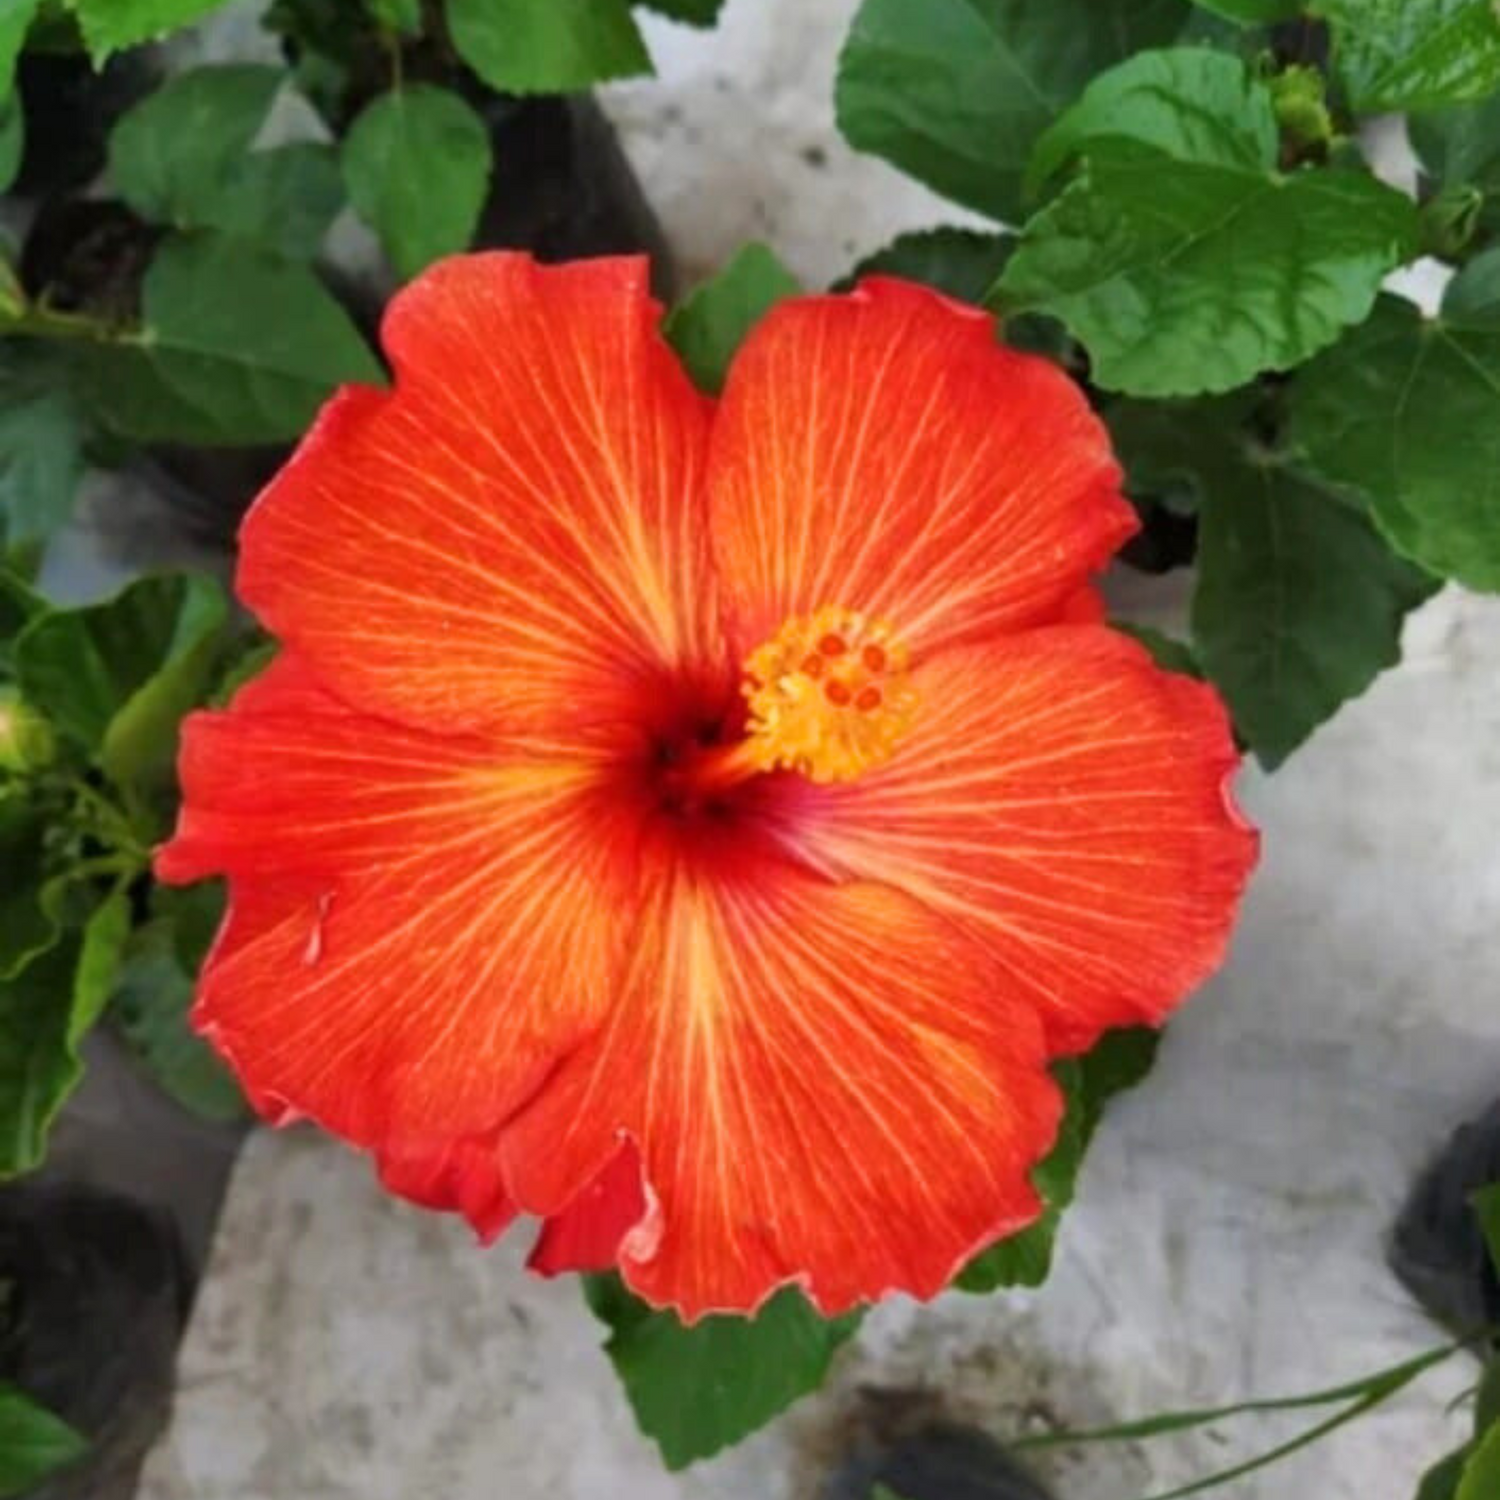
x,y
699,824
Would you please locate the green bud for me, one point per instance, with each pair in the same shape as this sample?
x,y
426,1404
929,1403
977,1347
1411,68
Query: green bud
x,y
26,739
1451,220
397,15
1300,96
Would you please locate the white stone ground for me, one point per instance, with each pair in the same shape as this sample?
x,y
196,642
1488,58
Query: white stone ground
x,y
1228,1238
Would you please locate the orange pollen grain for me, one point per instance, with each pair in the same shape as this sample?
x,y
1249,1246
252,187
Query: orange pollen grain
x,y
828,696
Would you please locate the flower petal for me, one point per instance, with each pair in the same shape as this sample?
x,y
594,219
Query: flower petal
x,y
421,925
516,533
883,453
1067,802
462,1176
587,1234
825,1085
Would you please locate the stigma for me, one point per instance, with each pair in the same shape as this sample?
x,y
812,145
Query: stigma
x,y
828,696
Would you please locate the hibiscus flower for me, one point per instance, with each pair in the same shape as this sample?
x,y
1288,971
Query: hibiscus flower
x,y
699,824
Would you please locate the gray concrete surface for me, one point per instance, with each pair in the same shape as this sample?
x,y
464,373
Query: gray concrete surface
x,y
1228,1237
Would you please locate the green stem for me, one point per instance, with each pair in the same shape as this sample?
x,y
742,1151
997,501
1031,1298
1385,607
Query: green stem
x,y
35,320
125,866
1359,1396
1395,1377
112,823
1377,1396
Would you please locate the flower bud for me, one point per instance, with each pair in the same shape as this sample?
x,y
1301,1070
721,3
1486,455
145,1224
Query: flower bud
x,y
26,739
1300,98
1451,219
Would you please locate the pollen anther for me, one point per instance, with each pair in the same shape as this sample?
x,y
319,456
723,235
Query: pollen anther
x,y
828,695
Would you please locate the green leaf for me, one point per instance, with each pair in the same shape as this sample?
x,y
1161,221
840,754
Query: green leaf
x,y
1183,279
194,914
1414,54
1487,1206
1487,1399
417,164
140,744
1170,654
1119,1061
1166,446
1481,1479
248,660
1405,413
33,1442
1025,1259
117,677
1183,267
1472,298
169,154
48,1007
955,92
1206,29
1460,147
238,346
15,21
12,139
696,1389
1188,102
284,199
1299,602
18,604
1255,12
41,446
547,46
182,157
1441,1481
110,25
962,263
709,325
26,925
150,1006
1460,143
691,12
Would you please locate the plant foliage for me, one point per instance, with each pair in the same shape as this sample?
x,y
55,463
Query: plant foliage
x,y
1183,216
